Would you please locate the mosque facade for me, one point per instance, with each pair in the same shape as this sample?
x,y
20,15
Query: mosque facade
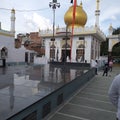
x,y
81,44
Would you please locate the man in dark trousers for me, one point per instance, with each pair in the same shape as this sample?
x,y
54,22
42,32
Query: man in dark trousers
x,y
105,70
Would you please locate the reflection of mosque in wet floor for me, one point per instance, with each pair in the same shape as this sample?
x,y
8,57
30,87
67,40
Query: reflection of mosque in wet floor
x,y
27,84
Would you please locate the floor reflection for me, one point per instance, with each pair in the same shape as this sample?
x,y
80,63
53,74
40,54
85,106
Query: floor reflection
x,y
23,84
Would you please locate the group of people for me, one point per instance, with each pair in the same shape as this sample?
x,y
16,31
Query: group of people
x,y
114,90
107,67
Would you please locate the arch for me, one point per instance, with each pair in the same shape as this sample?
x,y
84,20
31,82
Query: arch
x,y
52,52
113,43
52,46
81,46
80,53
114,39
66,52
3,52
116,49
66,46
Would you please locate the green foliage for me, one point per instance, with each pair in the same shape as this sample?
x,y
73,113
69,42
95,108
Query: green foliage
x,y
116,50
104,48
116,31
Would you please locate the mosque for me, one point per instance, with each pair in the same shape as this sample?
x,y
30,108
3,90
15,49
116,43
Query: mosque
x,y
81,44
78,44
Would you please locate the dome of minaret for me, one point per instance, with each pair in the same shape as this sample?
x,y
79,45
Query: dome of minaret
x,y
13,10
80,17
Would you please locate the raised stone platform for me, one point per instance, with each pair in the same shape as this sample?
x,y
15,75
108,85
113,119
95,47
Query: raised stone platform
x,y
26,91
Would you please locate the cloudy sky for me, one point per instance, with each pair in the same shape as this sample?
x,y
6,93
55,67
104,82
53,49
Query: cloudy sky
x,y
32,15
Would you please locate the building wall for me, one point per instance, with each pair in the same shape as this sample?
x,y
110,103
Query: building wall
x,y
88,40
14,55
59,42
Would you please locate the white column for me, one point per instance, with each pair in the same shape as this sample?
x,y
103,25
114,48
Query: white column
x,y
47,48
73,55
110,29
13,21
97,13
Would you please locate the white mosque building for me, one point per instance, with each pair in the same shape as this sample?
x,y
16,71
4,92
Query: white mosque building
x,y
8,53
82,46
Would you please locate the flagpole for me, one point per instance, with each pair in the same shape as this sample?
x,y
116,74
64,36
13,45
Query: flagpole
x,y
54,5
73,22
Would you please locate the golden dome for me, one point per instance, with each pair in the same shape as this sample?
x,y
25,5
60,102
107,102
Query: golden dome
x,y
80,17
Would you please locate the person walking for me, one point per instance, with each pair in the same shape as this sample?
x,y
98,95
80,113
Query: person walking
x,y
105,70
114,94
110,65
94,64
96,67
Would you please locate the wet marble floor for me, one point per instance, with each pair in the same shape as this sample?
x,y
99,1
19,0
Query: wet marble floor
x,y
21,86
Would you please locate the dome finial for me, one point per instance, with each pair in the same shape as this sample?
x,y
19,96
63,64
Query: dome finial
x,y
12,10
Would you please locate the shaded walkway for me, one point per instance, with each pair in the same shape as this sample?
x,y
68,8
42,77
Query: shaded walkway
x,y
91,102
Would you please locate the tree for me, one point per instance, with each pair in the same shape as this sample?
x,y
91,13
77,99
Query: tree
x,y
116,50
104,48
116,31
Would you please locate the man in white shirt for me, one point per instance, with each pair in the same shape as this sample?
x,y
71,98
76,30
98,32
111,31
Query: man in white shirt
x,y
114,94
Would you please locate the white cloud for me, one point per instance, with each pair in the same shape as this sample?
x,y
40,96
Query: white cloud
x,y
110,13
113,17
35,21
32,21
42,22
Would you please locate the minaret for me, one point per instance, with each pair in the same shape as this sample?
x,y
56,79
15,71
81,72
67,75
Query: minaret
x,y
39,32
110,29
13,21
97,13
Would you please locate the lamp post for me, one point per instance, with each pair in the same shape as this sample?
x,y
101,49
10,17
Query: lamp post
x,y
53,5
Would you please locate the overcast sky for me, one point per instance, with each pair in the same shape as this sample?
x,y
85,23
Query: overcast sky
x,y
41,16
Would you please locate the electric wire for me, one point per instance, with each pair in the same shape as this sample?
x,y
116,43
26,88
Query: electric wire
x,y
18,10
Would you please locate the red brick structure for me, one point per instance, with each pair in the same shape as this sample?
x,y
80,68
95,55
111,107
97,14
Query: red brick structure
x,y
31,41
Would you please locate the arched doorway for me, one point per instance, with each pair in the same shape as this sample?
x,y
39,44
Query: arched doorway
x,y
115,54
80,53
52,52
3,52
66,52
113,42
3,55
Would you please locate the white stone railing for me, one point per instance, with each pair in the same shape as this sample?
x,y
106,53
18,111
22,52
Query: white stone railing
x,y
76,31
